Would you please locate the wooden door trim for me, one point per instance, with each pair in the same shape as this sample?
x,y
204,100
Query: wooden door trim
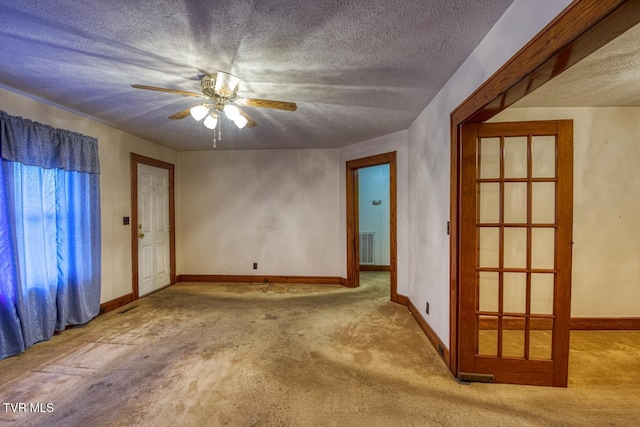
x,y
564,237
353,260
137,159
582,28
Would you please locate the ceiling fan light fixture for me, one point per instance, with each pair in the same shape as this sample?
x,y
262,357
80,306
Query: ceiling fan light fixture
x,y
218,90
240,121
226,84
199,112
211,121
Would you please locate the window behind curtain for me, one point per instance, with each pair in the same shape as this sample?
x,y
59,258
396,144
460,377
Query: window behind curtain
x,y
51,247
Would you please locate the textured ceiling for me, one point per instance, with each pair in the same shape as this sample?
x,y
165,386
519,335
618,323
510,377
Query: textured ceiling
x,y
609,77
356,69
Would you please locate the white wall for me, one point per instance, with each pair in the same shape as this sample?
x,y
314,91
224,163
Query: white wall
x,y
114,147
278,208
373,184
429,156
393,142
606,206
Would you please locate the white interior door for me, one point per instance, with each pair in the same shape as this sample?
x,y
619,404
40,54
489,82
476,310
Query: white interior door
x,y
154,270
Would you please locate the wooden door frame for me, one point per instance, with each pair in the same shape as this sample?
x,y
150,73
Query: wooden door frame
x,y
137,159
581,29
353,260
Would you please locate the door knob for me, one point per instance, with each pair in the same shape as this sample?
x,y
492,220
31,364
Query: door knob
x,y
140,235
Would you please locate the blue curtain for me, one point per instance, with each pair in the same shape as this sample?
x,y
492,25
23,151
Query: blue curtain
x,y
50,232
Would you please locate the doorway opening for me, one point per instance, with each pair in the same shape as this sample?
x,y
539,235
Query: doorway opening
x,y
353,220
353,228
577,32
373,218
374,224
155,253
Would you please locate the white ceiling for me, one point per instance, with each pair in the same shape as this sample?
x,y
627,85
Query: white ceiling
x,y
357,69
609,77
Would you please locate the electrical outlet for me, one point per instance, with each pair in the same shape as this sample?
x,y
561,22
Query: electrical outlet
x,y
255,265
427,309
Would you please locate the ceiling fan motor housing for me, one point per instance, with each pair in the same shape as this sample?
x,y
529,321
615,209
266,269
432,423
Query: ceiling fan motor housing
x,y
208,84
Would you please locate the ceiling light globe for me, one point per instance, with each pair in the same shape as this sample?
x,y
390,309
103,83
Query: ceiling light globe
x,y
240,121
226,84
231,111
211,121
199,112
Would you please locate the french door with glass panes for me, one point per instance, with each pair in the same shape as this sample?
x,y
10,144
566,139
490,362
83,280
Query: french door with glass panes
x,y
515,259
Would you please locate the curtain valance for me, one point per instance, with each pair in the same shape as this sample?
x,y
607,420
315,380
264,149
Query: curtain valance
x,y
36,144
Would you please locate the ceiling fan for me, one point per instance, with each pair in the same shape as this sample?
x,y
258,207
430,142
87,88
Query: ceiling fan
x,y
219,91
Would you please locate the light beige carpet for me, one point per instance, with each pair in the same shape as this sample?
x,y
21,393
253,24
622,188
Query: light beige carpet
x,y
200,354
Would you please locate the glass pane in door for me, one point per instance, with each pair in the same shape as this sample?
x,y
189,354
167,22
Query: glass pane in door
x,y
540,338
487,336
515,247
513,338
542,293
515,293
489,247
515,202
543,156
543,248
489,202
488,291
543,195
489,158
515,157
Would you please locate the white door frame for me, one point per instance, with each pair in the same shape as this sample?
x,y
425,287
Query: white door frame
x,y
135,160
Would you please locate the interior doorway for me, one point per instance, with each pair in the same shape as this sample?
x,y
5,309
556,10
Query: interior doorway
x,y
578,31
373,218
152,225
352,218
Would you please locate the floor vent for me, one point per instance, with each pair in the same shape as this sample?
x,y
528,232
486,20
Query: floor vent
x,y
367,248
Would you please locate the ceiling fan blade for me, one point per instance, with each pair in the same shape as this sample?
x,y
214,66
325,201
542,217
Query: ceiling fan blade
x,y
182,114
250,122
266,103
162,89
